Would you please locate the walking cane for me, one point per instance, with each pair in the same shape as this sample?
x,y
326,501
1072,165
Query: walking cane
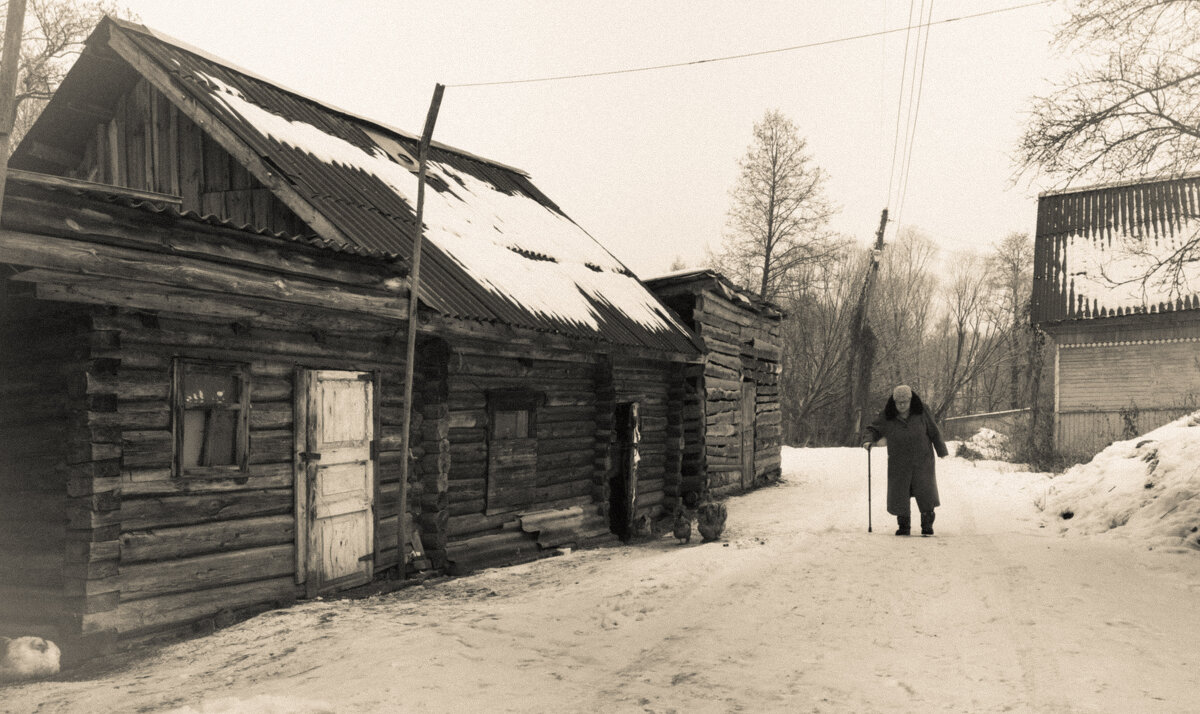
x,y
868,490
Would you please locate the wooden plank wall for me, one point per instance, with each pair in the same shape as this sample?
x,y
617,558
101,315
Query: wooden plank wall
x,y
42,350
149,145
1108,391
741,346
194,549
565,431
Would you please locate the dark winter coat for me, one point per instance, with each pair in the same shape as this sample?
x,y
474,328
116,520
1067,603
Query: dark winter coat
x,y
911,443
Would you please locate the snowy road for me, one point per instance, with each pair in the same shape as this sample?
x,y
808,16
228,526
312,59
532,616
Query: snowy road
x,y
800,610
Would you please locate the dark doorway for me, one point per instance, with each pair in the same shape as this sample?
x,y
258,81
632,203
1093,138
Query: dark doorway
x,y
622,473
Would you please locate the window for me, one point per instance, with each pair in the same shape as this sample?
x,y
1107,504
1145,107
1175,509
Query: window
x,y
211,417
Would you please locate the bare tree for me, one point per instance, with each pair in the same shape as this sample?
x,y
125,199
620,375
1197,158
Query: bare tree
x,y
1011,266
815,341
1131,108
779,213
900,312
53,37
968,341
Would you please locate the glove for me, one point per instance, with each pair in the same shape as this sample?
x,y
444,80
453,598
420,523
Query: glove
x,y
867,445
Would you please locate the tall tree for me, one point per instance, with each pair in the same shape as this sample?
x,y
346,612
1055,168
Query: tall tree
x,y
54,33
1130,109
1011,267
779,212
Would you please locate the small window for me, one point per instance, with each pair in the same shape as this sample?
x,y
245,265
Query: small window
x,y
211,415
510,424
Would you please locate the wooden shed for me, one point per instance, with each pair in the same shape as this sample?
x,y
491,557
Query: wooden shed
x,y
736,389
1124,320
203,305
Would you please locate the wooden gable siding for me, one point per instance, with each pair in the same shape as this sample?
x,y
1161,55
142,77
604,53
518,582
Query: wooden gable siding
x,y
741,346
36,386
149,145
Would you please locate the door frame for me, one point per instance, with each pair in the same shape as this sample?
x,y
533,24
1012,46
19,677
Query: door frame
x,y
302,383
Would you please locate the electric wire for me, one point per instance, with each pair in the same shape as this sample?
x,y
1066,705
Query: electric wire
x,y
913,124
899,107
745,55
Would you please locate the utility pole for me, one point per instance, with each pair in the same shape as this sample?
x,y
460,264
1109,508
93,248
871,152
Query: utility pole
x,y
411,347
862,345
10,59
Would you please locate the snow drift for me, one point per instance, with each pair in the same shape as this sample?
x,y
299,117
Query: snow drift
x,y
1146,489
983,444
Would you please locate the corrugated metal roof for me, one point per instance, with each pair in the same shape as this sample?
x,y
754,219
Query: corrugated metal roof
x,y
376,217
1107,250
700,278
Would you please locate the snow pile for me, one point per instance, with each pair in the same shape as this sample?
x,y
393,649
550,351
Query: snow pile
x,y
984,444
1146,489
490,233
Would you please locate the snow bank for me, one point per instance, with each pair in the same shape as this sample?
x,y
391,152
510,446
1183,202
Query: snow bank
x,y
1146,489
983,444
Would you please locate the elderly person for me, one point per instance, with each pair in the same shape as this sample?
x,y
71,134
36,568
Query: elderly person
x,y
912,437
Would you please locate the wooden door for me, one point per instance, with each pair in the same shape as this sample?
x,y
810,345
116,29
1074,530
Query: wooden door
x,y
623,470
747,433
340,473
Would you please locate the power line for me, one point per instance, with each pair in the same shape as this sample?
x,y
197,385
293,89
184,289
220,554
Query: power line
x,y
822,43
913,125
899,106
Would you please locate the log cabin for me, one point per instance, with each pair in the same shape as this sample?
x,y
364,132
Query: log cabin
x,y
1123,317
735,391
204,307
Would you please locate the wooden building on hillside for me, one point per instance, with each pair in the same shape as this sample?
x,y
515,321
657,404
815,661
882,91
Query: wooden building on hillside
x,y
1125,323
736,389
203,311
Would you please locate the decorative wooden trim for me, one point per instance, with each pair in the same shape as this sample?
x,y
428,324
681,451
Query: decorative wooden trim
x,y
1122,343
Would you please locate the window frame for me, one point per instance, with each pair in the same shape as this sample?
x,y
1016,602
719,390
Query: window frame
x,y
240,371
513,400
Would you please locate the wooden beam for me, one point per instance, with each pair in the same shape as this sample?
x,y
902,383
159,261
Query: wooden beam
x,y
223,135
70,183
40,251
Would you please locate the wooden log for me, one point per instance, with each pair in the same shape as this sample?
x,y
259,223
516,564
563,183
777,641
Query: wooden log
x,y
139,616
152,512
222,536
145,482
205,571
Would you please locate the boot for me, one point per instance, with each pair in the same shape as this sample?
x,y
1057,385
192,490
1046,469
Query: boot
x,y
905,523
927,523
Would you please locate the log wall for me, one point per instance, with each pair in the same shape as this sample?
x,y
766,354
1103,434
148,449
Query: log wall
x,y
192,550
44,347
742,346
658,390
565,432
149,145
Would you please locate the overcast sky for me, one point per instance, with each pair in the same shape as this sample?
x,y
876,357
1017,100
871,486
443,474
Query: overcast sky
x,y
645,161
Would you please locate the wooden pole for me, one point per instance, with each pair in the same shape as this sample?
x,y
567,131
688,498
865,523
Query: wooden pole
x,y
411,347
861,359
10,60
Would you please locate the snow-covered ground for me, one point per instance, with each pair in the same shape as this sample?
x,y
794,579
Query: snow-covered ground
x,y
798,609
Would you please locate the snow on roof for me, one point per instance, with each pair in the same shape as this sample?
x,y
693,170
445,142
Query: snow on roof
x,y
1146,488
512,245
